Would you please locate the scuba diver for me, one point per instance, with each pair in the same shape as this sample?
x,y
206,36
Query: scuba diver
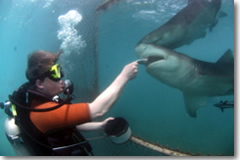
x,y
47,125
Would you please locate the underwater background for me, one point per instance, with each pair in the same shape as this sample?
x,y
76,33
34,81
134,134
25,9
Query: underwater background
x,y
105,40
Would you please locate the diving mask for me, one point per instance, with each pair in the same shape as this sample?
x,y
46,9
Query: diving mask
x,y
55,73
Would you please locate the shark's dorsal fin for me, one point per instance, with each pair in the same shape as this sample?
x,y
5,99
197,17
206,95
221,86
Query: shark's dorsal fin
x,y
227,58
193,103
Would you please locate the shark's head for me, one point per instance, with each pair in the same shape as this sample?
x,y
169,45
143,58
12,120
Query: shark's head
x,y
157,57
165,65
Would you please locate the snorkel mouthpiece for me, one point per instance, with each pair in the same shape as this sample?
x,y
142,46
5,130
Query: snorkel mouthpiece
x,y
68,89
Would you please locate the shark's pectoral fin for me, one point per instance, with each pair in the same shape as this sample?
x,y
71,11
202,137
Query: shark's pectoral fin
x,y
213,25
193,102
222,14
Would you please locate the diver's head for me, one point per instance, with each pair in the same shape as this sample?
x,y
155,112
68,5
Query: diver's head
x,y
44,73
39,62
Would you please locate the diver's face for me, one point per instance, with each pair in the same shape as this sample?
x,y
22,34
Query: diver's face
x,y
50,87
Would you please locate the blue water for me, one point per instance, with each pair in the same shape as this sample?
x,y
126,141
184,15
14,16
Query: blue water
x,y
154,111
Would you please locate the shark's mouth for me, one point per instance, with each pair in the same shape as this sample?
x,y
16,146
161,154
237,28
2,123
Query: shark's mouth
x,y
152,59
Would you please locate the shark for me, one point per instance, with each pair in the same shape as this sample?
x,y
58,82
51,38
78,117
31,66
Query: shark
x,y
197,79
189,24
224,105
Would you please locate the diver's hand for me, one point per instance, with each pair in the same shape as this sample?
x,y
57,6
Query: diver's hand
x,y
106,120
130,71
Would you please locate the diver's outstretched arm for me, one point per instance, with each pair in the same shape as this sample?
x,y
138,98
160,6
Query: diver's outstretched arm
x,y
107,98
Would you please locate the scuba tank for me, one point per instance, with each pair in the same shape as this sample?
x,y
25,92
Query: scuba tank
x,y
12,131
